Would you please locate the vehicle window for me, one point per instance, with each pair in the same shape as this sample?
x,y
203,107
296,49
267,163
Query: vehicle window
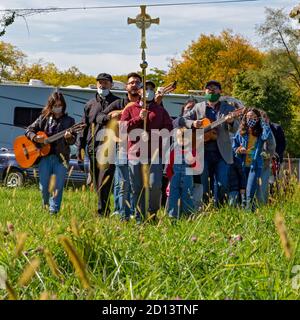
x,y
24,116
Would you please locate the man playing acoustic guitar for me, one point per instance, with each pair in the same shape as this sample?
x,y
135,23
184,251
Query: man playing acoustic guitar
x,y
217,149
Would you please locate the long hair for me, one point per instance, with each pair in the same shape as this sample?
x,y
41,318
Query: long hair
x,y
53,99
257,129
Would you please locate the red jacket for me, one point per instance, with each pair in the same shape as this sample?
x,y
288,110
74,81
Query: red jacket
x,y
169,169
157,118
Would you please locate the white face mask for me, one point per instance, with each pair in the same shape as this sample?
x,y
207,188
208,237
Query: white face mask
x,y
103,92
57,110
150,95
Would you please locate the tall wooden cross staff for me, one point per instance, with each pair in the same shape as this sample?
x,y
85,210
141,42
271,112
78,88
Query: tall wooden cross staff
x,y
143,21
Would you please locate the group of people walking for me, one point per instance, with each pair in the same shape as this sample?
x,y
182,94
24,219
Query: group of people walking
x,y
236,152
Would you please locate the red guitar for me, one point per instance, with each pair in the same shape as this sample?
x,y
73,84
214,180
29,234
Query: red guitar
x,y
27,152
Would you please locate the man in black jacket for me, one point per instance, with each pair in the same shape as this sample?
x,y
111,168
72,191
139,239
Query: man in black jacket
x,y
88,142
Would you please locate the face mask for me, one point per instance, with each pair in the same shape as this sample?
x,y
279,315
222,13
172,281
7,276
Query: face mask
x,y
103,92
57,110
150,95
212,97
251,123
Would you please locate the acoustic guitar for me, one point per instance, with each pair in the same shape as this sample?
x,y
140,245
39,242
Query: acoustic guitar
x,y
210,132
27,152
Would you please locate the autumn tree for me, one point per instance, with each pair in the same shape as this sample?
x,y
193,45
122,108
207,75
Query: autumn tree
x,y
51,75
10,60
214,57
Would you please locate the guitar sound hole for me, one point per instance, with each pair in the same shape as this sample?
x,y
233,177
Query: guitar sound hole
x,y
25,151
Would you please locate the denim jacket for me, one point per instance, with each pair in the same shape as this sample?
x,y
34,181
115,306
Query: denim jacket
x,y
242,140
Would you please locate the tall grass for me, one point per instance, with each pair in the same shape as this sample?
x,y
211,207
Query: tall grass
x,y
224,254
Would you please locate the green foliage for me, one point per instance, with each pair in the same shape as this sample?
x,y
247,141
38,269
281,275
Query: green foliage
x,y
10,59
157,76
191,259
293,139
265,91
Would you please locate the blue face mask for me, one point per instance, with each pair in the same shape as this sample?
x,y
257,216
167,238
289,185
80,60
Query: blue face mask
x,y
251,123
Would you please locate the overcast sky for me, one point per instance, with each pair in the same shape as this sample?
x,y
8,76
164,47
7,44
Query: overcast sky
x,y
101,41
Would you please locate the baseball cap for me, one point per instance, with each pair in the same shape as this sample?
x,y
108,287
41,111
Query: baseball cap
x,y
104,76
151,83
213,82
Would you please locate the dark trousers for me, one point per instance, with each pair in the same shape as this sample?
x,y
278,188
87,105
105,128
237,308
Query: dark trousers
x,y
102,180
215,177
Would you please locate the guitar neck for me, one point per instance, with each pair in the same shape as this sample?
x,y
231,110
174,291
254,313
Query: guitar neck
x,y
56,136
221,120
214,124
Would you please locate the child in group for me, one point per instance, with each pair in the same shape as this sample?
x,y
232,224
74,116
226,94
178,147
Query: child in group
x,y
182,159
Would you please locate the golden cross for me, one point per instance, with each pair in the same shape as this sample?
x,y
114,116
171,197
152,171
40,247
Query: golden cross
x,y
143,21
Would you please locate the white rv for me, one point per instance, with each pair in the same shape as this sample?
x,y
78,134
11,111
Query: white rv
x,y
21,104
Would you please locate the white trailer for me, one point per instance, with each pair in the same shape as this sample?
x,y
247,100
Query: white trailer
x,y
21,104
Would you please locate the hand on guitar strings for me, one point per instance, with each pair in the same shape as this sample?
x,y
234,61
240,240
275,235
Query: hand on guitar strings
x,y
68,135
229,118
197,124
39,139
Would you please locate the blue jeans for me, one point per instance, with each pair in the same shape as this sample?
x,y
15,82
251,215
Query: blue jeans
x,y
216,171
181,187
234,198
138,191
117,190
252,176
48,166
124,196
263,189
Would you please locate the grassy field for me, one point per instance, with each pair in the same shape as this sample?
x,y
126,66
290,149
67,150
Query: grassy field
x,y
225,254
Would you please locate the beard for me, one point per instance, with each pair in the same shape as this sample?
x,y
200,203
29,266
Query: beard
x,y
134,93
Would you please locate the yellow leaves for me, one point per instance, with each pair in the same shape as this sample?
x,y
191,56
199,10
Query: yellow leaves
x,y
214,57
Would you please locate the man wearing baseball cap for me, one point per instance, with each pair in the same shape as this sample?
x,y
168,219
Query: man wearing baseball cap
x,y
217,152
88,142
